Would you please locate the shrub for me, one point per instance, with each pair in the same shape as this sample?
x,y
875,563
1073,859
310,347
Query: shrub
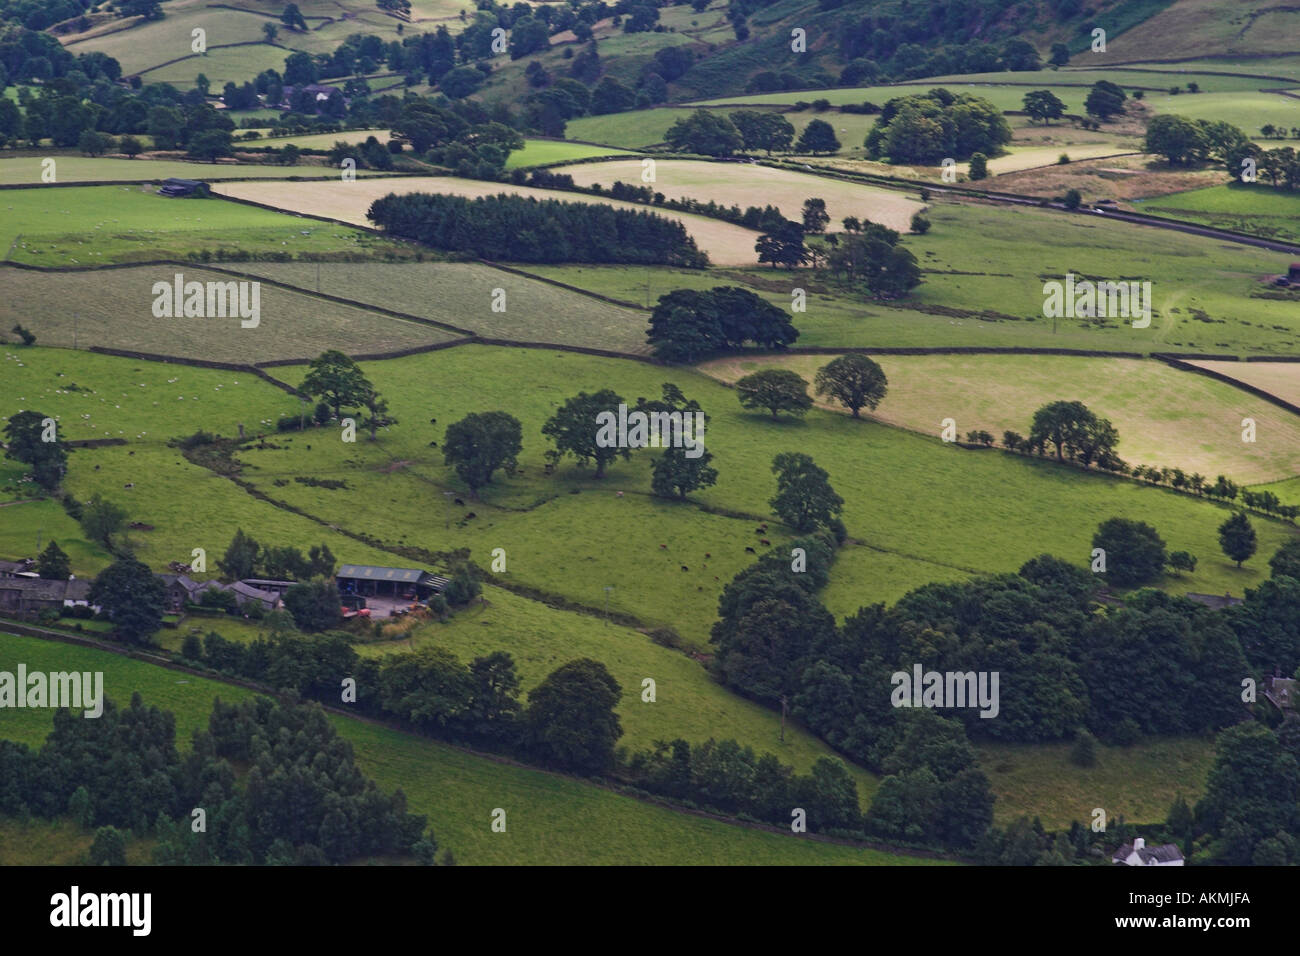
x,y
1084,751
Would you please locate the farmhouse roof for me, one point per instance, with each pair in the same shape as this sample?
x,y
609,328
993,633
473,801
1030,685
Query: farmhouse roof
x,y
12,568
1149,854
39,589
188,583
248,591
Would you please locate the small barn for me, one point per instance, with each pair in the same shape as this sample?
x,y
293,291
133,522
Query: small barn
x,y
183,188
1293,274
370,580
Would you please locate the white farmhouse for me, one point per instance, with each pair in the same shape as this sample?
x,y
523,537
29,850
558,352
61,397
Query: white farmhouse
x,y
1138,853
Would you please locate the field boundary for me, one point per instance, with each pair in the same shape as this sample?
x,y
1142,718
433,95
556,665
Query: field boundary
x,y
1180,362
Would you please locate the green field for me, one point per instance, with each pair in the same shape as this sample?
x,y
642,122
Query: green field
x,y
1156,76
461,294
1255,208
1249,111
236,64
115,310
1124,782
983,286
1004,97
97,225
77,169
322,140
540,152
1164,416
551,819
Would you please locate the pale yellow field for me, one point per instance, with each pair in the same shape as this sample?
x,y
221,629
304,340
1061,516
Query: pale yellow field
x,y
1279,378
1165,417
747,184
726,244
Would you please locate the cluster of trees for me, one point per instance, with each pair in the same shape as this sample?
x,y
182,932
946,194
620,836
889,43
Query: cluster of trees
x,y
1071,431
852,380
246,558
569,721
1158,665
938,124
687,325
870,256
710,133
574,431
1188,142
522,229
729,778
303,801
31,437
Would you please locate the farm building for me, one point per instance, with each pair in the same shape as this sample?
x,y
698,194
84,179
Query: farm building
x,y
24,596
180,590
1138,853
17,569
373,581
1293,274
245,592
176,187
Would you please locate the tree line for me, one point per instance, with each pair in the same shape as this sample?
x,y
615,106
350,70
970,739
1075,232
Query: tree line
x,y
302,800
523,229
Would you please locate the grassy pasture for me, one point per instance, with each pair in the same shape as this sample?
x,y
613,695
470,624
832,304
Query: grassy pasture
x,y
688,704
1139,782
1207,295
1207,28
551,819
461,294
1004,97
235,64
539,152
1249,111
997,512
1164,416
725,243
1255,208
636,129
96,225
37,842
744,184
114,309
1157,76
75,169
322,140
1285,66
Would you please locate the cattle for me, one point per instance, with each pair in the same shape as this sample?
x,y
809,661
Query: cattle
x,y
707,555
470,515
663,547
751,551
685,568
765,541
459,502
129,484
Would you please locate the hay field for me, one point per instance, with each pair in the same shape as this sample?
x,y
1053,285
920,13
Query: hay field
x,y
726,244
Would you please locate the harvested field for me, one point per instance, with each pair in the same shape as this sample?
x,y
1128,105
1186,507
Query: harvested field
x,y
726,244
745,184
